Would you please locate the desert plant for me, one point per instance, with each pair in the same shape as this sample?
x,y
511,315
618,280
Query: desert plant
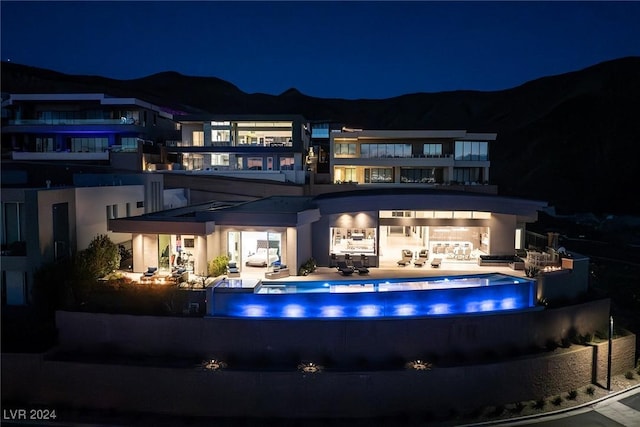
x,y
628,375
539,404
590,390
557,400
572,395
308,267
517,407
218,265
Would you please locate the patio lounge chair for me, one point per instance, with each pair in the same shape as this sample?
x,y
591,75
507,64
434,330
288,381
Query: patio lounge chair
x,y
407,255
423,255
344,268
435,263
359,266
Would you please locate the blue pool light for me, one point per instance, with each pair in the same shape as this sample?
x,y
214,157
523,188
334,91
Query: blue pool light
x,y
369,310
405,310
332,311
293,310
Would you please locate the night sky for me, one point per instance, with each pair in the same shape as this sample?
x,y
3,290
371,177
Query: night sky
x,y
324,49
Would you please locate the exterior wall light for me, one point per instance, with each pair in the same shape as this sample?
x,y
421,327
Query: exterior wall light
x,y
419,365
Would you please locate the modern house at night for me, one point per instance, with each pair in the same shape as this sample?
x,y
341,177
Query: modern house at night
x,y
376,223
87,127
272,147
410,157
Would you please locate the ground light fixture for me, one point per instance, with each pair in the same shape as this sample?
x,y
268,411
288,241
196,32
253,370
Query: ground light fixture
x,y
419,365
310,368
213,365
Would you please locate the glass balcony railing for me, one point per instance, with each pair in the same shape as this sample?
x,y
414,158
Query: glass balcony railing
x,y
27,122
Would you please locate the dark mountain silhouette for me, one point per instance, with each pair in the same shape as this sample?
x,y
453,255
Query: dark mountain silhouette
x,y
571,139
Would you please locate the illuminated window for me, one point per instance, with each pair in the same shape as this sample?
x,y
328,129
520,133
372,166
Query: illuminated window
x,y
198,138
374,175
254,163
286,163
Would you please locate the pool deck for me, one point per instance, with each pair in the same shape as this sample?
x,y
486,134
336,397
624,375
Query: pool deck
x,y
447,268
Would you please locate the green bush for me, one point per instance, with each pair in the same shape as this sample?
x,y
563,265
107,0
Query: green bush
x,y
557,401
572,395
628,375
218,266
308,267
591,390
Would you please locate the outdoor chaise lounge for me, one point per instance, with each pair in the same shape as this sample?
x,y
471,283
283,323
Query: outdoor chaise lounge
x,y
423,255
360,267
344,268
435,263
407,256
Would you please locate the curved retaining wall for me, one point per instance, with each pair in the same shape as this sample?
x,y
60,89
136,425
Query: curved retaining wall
x,y
32,379
343,342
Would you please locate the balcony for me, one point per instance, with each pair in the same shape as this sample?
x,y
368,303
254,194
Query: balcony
x,y
37,122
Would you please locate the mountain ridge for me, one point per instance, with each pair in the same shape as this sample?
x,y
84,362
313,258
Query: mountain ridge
x,y
571,139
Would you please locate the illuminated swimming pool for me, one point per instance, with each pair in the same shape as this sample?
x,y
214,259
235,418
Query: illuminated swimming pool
x,y
433,296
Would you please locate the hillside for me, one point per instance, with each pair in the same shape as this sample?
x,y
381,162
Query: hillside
x,y
571,139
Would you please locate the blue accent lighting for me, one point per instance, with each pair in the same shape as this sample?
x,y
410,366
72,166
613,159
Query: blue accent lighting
x,y
354,298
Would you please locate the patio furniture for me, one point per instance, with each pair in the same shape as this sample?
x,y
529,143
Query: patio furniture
x,y
359,266
345,269
407,256
423,255
435,263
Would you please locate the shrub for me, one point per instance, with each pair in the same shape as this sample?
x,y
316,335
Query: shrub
x,y
218,266
309,266
557,400
101,257
628,375
573,394
518,407
591,390
539,404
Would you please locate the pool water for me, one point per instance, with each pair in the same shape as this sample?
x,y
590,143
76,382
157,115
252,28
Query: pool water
x,y
433,296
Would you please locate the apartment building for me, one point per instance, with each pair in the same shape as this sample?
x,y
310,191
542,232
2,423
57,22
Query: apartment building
x,y
427,157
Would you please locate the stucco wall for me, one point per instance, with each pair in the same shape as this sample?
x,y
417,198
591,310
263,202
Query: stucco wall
x,y
191,391
342,341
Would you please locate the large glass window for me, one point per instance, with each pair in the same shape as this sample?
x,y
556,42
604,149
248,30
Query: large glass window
x,y
260,248
464,175
254,163
14,222
354,241
418,175
471,150
198,138
371,151
343,150
286,163
432,150
373,175
89,145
